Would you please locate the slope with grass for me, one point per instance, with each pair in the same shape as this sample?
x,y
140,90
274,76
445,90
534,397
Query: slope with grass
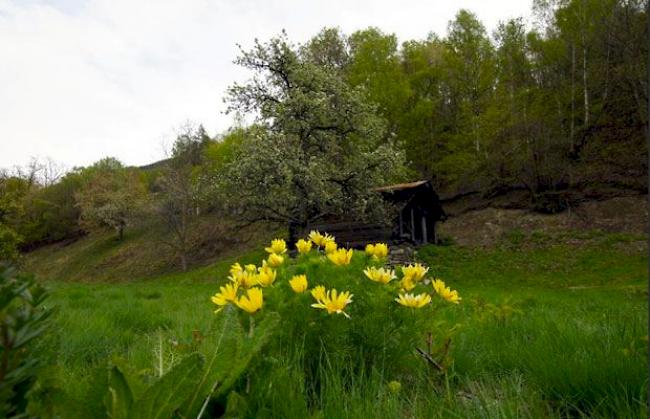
x,y
143,253
546,328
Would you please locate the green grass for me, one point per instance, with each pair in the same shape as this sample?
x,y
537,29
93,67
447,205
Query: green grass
x,y
543,331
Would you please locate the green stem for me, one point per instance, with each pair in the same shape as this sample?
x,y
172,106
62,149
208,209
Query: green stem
x,y
251,326
447,387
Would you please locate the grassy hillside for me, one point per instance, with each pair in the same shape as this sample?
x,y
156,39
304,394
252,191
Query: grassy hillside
x,y
143,253
553,321
543,330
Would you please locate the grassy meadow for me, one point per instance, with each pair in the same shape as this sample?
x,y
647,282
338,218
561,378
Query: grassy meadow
x,y
543,330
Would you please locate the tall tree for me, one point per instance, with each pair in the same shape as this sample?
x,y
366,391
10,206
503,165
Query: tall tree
x,y
470,66
111,197
375,66
179,191
318,152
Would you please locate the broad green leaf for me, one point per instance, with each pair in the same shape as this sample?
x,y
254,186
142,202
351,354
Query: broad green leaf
x,y
118,399
223,346
236,405
166,395
251,347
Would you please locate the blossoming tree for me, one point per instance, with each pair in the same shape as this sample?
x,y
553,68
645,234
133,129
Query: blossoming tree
x,y
321,148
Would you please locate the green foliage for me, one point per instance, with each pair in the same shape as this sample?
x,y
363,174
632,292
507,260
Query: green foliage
x,y
220,153
9,242
50,212
12,190
23,319
215,363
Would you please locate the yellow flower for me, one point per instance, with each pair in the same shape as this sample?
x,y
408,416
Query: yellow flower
x,y
303,246
225,295
341,257
451,296
253,300
407,283
438,285
266,275
278,246
275,260
445,292
415,301
370,249
245,279
415,272
330,246
381,275
395,386
381,250
235,268
316,237
320,239
318,292
298,283
251,268
334,302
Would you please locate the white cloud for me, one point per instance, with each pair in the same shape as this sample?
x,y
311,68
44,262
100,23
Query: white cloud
x,y
86,79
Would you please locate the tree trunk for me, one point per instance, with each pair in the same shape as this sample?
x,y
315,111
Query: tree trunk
x,y
183,261
294,230
584,85
573,94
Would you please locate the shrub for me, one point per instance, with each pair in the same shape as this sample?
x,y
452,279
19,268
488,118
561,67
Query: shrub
x,y
22,321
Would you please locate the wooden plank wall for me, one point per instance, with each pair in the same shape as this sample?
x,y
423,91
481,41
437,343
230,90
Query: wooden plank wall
x,y
354,234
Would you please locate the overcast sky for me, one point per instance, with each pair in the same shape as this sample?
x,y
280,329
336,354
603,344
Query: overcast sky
x,y
85,79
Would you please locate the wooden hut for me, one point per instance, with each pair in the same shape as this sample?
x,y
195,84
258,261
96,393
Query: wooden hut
x,y
419,211
418,208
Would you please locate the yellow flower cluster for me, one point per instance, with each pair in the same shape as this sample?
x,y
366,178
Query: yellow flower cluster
x,y
243,277
340,257
377,251
250,279
319,239
411,275
251,302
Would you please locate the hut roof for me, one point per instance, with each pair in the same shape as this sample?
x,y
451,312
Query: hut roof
x,y
401,186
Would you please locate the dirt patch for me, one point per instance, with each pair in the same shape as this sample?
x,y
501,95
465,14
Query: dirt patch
x,y
489,226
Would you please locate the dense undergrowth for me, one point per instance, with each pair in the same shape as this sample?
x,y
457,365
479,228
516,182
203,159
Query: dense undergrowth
x,y
554,330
